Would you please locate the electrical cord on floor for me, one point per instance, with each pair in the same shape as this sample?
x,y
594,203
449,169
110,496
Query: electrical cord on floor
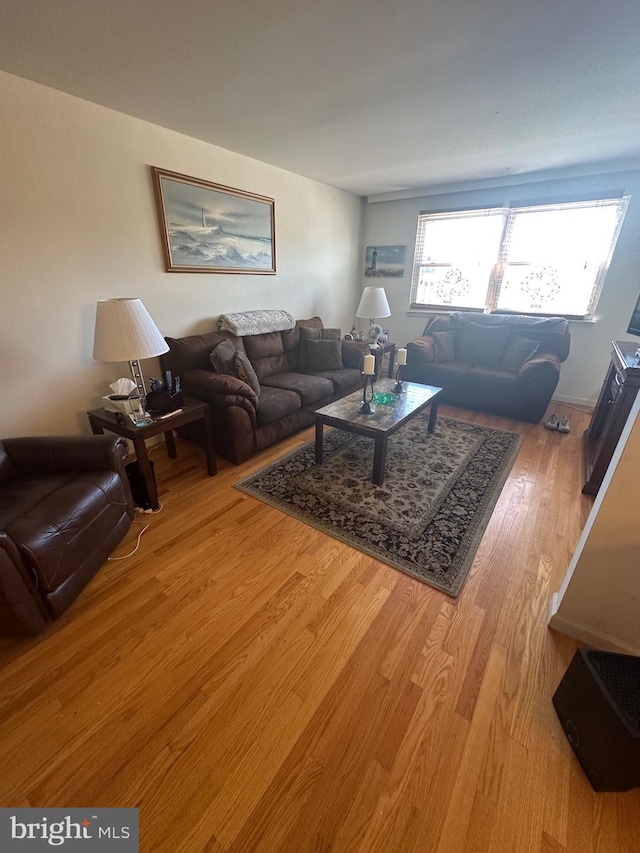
x,y
131,553
149,511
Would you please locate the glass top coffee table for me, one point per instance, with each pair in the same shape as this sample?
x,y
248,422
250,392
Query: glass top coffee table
x,y
380,424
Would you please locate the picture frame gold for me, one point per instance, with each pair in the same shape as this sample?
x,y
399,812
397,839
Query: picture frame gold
x,y
211,228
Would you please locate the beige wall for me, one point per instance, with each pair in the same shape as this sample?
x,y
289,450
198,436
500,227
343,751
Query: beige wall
x,y
599,600
394,221
78,224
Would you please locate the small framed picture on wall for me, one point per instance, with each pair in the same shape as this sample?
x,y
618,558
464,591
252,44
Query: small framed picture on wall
x,y
384,261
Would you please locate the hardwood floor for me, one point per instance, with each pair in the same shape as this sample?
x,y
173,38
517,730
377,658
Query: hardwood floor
x,y
253,685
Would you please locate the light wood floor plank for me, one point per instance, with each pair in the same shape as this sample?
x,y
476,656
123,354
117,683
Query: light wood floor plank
x,y
254,686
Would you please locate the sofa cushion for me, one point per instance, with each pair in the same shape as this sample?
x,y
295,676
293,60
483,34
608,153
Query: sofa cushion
x,y
310,388
445,346
275,403
324,355
245,371
482,345
437,374
519,350
314,334
344,381
291,340
223,358
190,353
487,383
266,353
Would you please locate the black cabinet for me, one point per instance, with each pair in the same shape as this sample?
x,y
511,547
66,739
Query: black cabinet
x,y
616,398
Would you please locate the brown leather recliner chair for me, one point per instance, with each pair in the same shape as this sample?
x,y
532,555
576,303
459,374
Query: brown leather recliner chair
x,y
65,503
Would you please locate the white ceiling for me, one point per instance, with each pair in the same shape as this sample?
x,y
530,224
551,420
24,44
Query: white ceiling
x,y
368,95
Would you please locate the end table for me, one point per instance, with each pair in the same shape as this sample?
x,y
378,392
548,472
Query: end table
x,y
379,352
101,420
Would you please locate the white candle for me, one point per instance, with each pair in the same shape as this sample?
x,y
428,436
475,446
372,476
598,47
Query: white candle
x,y
369,365
402,356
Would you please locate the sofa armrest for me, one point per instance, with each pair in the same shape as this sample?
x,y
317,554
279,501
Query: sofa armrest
x,y
353,353
421,351
545,364
22,610
52,454
221,389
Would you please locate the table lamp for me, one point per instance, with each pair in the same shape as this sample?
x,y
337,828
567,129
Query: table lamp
x,y
125,332
373,303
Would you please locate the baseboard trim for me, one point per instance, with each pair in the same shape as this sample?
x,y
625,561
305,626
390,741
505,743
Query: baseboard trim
x,y
588,636
576,401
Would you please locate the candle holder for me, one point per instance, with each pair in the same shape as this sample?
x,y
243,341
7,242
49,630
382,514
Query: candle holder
x,y
366,408
398,388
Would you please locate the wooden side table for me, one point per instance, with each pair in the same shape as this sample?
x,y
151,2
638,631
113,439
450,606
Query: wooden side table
x,y
379,353
101,420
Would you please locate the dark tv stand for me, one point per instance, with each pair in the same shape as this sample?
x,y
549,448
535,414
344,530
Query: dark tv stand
x,y
616,398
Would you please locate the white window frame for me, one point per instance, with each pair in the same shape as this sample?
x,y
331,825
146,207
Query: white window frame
x,y
510,213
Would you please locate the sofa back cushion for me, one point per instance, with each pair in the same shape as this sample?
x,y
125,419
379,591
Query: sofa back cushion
x,y
551,332
266,354
291,339
518,350
482,345
324,355
308,334
190,353
445,346
223,357
244,371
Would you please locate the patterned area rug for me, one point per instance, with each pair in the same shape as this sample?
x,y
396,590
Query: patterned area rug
x,y
428,517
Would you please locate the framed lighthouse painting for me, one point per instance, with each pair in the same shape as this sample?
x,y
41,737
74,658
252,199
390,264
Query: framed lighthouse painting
x,y
384,261
211,228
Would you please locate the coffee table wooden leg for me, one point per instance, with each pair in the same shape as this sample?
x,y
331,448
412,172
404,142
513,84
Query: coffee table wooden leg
x,y
379,458
145,469
319,440
433,416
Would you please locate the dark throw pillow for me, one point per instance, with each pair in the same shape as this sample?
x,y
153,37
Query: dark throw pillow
x,y
518,351
445,345
307,333
244,370
482,345
223,358
324,355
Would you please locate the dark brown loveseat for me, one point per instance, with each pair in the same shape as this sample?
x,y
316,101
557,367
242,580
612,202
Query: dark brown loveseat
x,y
65,504
245,422
505,364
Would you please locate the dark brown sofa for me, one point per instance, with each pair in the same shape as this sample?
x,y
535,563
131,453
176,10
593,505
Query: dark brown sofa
x,y
245,422
505,364
65,504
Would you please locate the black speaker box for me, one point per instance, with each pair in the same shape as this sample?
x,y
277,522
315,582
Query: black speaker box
x,y
598,704
139,491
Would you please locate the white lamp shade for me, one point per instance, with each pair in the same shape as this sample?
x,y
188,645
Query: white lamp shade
x,y
373,303
125,332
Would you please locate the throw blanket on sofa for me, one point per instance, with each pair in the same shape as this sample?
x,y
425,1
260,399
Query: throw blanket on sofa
x,y
549,325
255,322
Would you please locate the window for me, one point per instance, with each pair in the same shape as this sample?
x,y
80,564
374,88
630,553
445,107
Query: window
x,y
534,259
